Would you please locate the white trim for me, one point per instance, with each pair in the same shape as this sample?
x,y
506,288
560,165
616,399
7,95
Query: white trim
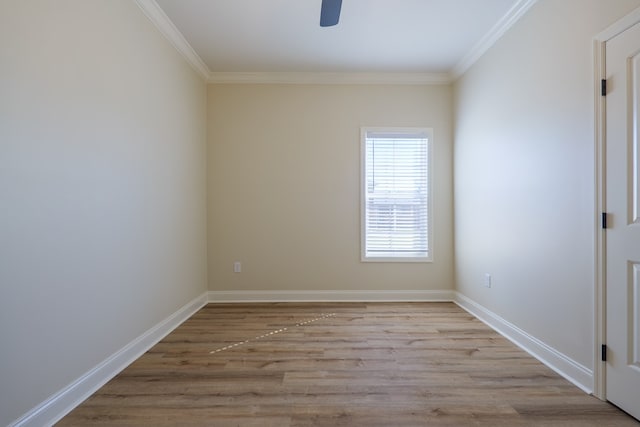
x,y
164,24
599,368
412,132
329,78
484,44
619,26
571,370
61,403
599,73
160,19
330,296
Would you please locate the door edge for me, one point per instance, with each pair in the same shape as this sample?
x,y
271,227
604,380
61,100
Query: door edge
x,y
600,294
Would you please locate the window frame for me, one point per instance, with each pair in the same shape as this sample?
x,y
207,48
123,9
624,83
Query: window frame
x,y
409,131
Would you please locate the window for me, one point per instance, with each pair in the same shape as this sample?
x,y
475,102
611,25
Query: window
x,y
395,194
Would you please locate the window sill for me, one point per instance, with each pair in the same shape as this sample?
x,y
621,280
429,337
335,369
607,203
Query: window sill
x,y
397,259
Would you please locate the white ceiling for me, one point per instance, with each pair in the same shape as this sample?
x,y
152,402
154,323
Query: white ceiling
x,y
373,36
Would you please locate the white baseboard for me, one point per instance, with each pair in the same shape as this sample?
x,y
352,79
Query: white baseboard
x,y
57,406
61,403
329,296
573,371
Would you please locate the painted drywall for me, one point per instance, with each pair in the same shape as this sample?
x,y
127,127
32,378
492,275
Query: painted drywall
x,y
102,189
525,175
284,177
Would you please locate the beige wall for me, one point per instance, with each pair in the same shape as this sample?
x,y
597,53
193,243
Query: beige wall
x,y
102,189
524,174
284,174
103,170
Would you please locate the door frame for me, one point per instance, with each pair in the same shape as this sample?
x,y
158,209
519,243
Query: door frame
x,y
600,128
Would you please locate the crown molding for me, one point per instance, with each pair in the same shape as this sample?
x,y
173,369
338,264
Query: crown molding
x,y
164,24
484,44
160,19
329,78
157,16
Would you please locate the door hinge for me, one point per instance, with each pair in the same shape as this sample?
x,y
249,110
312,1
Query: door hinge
x,y
603,87
603,353
604,220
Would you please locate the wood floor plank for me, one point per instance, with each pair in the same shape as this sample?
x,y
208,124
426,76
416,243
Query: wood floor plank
x,y
339,364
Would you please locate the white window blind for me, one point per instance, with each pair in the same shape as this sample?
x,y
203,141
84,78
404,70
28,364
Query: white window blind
x,y
396,194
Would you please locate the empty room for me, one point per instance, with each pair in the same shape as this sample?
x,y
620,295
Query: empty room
x,y
319,213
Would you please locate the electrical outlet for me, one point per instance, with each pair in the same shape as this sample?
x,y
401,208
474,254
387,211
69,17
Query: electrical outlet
x,y
487,280
237,267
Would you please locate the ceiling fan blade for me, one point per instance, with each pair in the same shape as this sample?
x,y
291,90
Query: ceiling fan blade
x,y
330,12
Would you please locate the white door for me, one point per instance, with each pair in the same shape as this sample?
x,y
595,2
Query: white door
x,y
622,202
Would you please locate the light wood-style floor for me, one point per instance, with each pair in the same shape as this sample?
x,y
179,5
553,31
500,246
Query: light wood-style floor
x,y
339,364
